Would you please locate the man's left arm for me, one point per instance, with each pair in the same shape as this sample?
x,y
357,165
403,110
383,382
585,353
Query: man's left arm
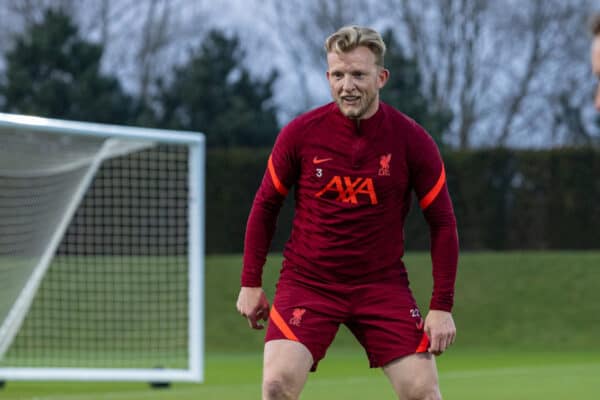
x,y
439,324
430,184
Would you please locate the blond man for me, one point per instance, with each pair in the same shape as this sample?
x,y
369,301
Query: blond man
x,y
354,165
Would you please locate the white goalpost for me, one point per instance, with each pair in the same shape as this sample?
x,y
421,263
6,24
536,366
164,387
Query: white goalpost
x,y
101,252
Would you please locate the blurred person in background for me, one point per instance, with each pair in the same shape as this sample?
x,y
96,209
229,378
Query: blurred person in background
x,y
595,30
354,164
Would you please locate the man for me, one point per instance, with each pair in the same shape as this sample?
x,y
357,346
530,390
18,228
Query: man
x,y
354,164
595,30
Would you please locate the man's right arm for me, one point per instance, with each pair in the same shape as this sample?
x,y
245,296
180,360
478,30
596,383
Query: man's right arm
x,y
280,175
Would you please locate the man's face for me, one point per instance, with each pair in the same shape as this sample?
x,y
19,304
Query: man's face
x,y
596,67
355,80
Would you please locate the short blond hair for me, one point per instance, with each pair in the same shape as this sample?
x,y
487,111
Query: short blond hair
x,y
349,38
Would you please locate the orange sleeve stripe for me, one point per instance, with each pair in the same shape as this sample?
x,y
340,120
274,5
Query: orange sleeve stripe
x,y
433,193
424,345
276,182
280,323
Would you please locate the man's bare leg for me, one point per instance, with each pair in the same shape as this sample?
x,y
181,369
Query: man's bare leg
x,y
285,369
414,377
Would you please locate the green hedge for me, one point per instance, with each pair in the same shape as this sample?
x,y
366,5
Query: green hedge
x,y
503,199
233,177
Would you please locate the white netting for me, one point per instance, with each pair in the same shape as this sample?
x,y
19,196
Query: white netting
x,y
94,261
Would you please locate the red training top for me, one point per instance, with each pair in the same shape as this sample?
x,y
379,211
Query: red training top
x,y
353,187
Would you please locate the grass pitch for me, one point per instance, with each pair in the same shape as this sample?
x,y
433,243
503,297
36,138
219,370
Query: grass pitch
x,y
464,375
528,328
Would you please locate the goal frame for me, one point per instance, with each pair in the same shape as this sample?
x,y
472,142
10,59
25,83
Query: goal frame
x,y
196,249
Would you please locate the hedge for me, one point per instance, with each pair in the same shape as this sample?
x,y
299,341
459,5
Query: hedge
x,y
503,199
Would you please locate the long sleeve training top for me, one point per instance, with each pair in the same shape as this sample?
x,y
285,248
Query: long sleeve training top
x,y
353,186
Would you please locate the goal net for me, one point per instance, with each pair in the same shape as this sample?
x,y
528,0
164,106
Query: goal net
x,y
101,252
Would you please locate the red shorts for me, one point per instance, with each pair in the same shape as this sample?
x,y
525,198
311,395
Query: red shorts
x,y
383,316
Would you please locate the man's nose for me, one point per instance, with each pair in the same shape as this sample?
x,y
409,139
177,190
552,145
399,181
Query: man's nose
x,y
348,84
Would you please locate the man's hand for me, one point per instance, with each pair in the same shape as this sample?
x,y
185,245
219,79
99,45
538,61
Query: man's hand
x,y
440,328
253,304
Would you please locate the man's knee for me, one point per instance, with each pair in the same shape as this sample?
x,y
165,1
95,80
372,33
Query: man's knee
x,y
422,390
414,377
279,387
286,366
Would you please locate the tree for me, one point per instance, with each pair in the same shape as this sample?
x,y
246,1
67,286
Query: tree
x,y
52,72
144,39
404,91
214,93
447,38
500,66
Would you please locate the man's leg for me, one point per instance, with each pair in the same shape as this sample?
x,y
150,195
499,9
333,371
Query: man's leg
x,y
285,370
414,377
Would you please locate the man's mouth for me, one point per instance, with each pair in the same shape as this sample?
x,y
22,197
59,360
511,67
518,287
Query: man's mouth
x,y
350,99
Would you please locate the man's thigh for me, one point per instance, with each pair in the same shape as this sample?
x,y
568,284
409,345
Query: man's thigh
x,y
414,376
285,369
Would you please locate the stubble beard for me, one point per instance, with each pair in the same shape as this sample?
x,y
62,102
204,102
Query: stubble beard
x,y
353,113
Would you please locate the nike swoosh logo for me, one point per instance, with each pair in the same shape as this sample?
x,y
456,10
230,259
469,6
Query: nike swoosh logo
x,y
317,160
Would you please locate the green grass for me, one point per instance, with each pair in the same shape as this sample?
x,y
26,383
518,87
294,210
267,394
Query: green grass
x,y
528,328
491,375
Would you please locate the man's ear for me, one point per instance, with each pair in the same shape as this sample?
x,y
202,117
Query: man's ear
x,y
382,77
